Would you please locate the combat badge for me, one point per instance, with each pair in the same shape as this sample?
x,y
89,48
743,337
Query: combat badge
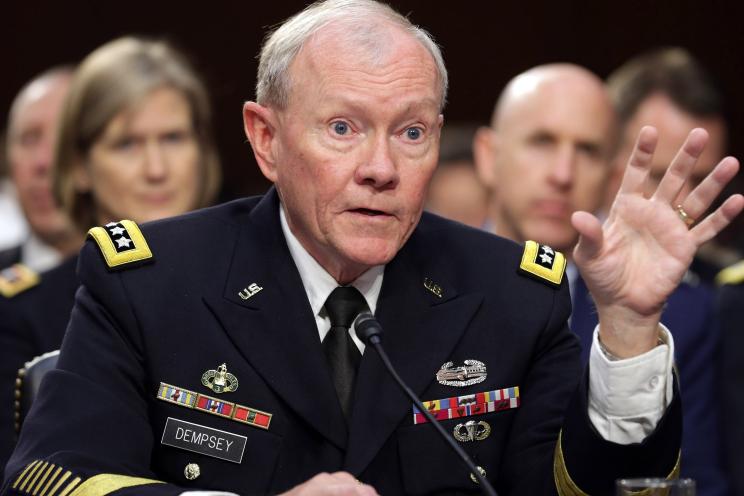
x,y
543,263
17,279
472,372
122,244
220,380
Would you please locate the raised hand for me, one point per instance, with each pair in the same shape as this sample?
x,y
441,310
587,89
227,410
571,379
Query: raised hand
x,y
633,262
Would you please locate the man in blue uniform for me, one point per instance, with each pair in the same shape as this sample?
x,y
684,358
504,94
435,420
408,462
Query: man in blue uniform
x,y
210,351
549,152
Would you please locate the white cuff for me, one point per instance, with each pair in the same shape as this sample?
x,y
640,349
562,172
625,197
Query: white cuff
x,y
628,397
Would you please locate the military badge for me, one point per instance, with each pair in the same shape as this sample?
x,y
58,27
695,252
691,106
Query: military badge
x,y
472,372
543,263
472,431
220,380
122,244
433,287
469,405
17,279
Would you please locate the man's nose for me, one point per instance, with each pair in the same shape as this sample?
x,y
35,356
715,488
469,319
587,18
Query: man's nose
x,y
44,157
563,168
379,170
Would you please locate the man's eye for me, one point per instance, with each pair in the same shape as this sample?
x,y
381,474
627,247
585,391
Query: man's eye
x,y
341,128
414,133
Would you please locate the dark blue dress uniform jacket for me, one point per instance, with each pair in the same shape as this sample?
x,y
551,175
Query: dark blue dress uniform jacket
x,y
179,316
31,323
731,309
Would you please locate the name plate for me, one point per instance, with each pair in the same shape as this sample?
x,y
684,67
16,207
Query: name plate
x,y
204,440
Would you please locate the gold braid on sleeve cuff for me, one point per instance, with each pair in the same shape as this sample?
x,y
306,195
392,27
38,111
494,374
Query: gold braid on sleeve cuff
x,y
41,478
567,487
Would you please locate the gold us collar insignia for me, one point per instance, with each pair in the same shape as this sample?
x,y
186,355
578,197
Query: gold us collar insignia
x,y
220,380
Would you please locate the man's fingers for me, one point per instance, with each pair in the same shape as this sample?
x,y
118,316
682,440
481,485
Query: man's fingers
x,y
681,167
701,198
590,236
638,164
709,227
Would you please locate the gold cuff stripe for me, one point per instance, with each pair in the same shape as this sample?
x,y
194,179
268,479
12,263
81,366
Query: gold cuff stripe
x,y
50,481
60,482
103,484
529,264
25,471
563,482
30,475
567,487
113,258
35,490
70,486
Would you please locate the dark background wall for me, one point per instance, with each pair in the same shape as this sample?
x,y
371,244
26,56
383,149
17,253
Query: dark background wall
x,y
485,43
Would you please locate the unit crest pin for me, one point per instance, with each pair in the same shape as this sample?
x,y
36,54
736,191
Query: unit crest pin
x,y
220,380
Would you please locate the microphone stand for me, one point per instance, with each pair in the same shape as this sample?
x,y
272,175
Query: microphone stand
x,y
370,331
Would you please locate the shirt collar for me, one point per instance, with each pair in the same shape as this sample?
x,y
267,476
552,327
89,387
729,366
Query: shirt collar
x,y
319,283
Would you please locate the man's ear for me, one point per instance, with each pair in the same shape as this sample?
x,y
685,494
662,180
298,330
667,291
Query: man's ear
x,y
485,148
260,126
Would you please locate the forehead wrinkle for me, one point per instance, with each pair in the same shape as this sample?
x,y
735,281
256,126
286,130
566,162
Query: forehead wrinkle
x,y
403,64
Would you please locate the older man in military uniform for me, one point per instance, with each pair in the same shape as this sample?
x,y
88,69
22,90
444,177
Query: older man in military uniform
x,y
212,351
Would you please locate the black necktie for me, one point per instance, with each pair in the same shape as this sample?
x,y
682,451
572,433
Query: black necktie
x,y
342,306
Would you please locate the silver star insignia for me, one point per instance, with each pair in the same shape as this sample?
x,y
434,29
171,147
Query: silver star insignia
x,y
123,242
546,258
111,224
117,231
547,249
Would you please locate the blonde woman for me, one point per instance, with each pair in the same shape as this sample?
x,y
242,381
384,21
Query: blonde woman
x,y
134,143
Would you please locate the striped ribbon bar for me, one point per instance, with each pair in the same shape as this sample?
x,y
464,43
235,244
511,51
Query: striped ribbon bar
x,y
469,405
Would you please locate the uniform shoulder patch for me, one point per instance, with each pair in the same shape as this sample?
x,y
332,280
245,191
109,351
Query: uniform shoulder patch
x,y
543,263
16,279
733,274
122,244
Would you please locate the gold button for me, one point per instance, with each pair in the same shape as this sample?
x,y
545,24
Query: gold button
x,y
482,472
192,471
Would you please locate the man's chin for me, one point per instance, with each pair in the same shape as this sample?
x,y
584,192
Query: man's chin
x,y
560,237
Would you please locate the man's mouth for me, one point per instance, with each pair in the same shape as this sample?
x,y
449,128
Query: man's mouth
x,y
368,211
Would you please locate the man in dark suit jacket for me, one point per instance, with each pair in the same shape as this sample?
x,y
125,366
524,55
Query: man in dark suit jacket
x,y
193,357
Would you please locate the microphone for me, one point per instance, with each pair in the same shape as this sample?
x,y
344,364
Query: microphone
x,y
370,331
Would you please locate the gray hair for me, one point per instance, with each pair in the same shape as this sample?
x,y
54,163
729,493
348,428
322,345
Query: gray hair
x,y
283,44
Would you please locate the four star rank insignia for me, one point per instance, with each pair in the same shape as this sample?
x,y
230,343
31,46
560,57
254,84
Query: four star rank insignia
x,y
122,244
543,263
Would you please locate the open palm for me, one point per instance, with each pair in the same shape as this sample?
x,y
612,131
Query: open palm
x,y
633,262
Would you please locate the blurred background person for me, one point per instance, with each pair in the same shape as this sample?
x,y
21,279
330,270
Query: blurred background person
x,y
135,142
670,90
30,141
455,191
14,228
550,152
730,306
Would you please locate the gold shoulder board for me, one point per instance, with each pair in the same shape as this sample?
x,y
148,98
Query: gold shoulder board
x,y
733,274
543,263
122,244
17,279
